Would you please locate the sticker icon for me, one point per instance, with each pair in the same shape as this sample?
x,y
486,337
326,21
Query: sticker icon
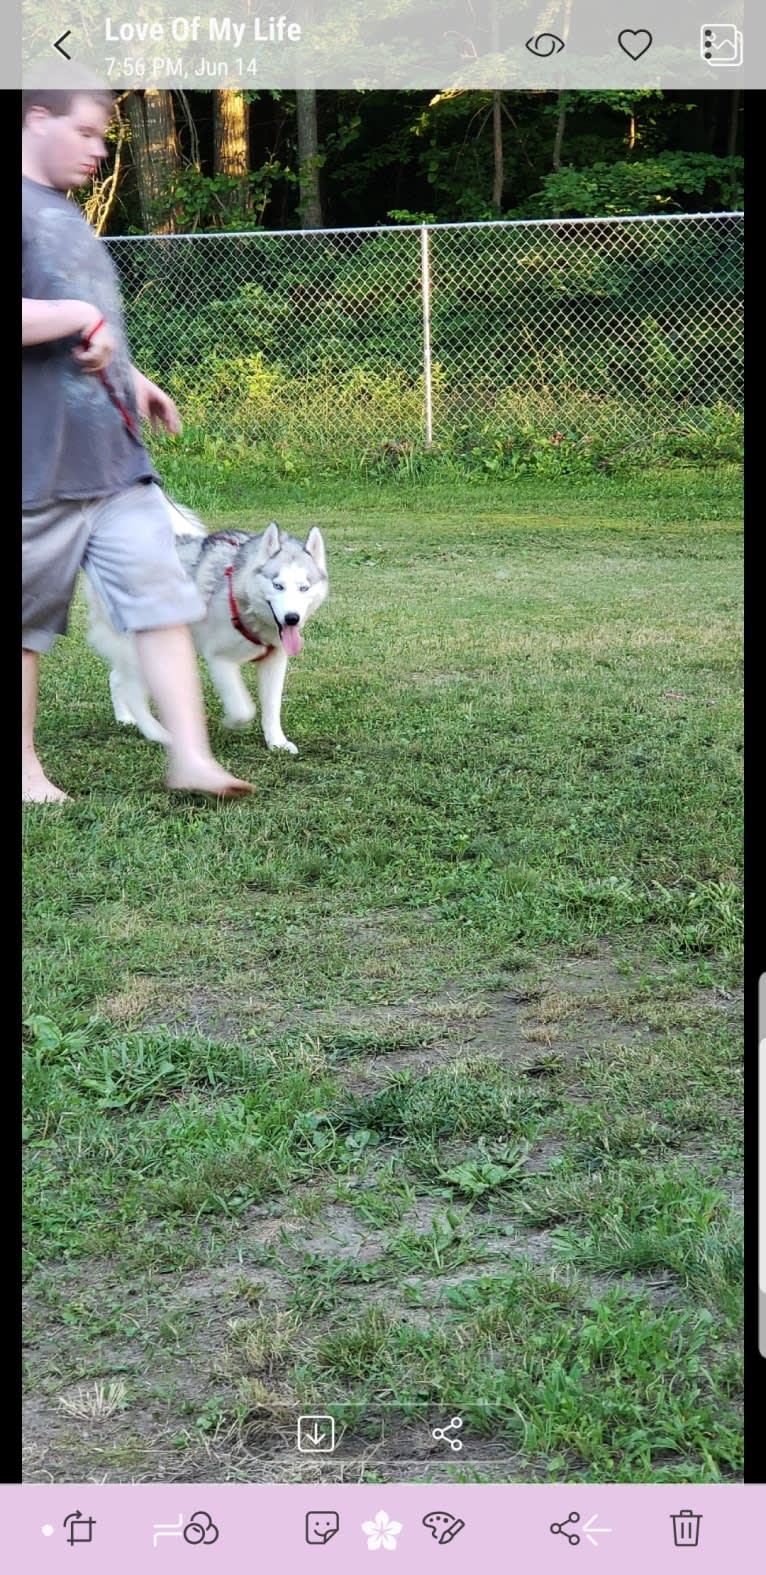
x,y
321,1526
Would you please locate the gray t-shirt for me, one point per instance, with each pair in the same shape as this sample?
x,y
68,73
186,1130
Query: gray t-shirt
x,y
75,443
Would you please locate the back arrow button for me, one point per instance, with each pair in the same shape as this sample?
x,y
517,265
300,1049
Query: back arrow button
x,y
62,40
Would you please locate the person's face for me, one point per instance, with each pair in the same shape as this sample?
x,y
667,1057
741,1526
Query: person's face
x,y
69,148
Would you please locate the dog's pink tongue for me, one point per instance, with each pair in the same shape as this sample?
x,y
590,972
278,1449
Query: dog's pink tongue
x,y
291,640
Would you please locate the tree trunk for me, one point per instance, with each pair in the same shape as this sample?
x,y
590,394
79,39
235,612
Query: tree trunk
x,y
497,143
154,144
731,141
308,159
232,141
710,107
98,206
563,97
558,140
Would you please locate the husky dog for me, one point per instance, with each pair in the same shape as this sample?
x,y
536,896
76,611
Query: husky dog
x,y
259,592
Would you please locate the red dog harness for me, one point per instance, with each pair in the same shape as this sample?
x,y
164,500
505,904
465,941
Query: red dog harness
x,y
131,426
254,639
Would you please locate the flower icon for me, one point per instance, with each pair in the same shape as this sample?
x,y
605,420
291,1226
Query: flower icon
x,y
381,1532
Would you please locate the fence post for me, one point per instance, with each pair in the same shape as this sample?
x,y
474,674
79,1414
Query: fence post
x,y
425,286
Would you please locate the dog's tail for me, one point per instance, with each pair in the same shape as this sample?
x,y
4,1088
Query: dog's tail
x,y
184,521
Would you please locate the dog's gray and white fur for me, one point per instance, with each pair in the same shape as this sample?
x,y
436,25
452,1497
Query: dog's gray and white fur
x,y
278,582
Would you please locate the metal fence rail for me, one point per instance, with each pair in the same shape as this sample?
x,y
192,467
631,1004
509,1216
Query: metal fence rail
x,y
343,340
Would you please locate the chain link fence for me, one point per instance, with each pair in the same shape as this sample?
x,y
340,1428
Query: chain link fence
x,y
347,343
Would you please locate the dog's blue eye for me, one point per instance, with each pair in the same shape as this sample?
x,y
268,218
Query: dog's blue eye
x,y
303,588
278,586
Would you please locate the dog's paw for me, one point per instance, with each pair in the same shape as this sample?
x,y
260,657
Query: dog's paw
x,y
282,743
156,735
122,711
238,723
152,731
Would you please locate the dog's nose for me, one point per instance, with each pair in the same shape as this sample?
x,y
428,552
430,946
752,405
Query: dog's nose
x,y
292,618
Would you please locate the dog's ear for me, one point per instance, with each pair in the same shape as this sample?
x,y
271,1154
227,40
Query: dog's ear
x,y
268,544
314,546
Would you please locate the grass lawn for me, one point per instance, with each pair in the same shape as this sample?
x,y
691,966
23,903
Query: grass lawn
x,y
411,1088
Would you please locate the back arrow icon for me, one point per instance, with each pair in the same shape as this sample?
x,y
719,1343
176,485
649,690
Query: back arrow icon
x,y
589,1526
62,40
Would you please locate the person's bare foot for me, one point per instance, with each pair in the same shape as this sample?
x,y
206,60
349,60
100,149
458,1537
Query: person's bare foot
x,y
205,776
36,789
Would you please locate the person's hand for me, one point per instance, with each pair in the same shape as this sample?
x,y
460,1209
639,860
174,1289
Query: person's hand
x,y
98,347
156,406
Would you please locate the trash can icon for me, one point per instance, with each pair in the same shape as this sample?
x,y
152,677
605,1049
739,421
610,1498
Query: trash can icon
x,y
686,1529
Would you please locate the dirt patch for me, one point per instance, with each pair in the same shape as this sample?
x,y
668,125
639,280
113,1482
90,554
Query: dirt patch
x,y
581,1004
520,1029
538,1162
132,1003
569,1008
338,1234
251,1017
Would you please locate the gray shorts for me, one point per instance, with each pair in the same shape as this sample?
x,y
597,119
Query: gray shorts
x,y
126,546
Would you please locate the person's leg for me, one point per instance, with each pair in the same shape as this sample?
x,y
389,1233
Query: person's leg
x,y
35,786
133,563
169,664
53,541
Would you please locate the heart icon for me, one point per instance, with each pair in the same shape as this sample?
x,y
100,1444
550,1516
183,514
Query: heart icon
x,y
634,43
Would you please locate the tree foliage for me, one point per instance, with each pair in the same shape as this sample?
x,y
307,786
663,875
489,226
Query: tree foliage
x,y
385,157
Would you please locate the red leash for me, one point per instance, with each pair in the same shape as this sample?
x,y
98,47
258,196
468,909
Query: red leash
x,y
126,416
131,426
